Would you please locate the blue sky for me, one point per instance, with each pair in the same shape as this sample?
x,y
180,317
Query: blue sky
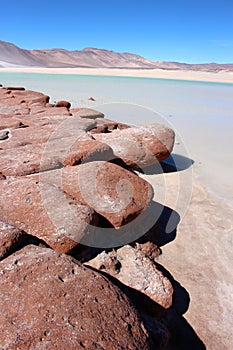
x,y
174,30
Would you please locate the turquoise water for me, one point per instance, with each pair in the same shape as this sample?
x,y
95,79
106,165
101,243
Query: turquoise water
x,y
201,113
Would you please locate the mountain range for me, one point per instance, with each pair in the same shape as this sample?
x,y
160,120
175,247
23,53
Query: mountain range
x,y
13,56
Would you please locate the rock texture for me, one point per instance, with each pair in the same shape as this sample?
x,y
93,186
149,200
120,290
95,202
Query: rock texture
x,y
104,125
28,205
140,146
10,238
133,269
49,301
116,193
86,113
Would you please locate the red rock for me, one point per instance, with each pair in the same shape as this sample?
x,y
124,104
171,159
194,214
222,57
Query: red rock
x,y
28,205
65,104
115,193
13,106
137,272
25,159
142,146
10,238
86,113
49,301
44,145
48,111
84,151
91,99
8,122
104,125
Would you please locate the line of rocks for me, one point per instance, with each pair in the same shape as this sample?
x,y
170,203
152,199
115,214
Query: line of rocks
x,y
69,194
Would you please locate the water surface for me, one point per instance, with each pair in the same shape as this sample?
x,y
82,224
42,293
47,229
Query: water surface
x,y
201,113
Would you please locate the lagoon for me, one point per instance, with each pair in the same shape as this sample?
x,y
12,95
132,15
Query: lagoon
x,y
201,113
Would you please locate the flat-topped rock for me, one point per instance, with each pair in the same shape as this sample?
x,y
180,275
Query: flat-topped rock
x,y
86,113
39,144
49,301
117,194
46,212
140,146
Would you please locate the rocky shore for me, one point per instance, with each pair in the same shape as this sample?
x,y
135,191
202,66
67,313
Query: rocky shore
x,y
79,241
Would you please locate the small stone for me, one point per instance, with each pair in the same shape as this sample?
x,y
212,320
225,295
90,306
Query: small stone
x,y
65,104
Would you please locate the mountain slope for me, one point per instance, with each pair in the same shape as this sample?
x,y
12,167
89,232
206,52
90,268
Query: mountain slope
x,y
11,55
91,57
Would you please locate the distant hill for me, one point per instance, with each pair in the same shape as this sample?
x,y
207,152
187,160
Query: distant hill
x,y
12,55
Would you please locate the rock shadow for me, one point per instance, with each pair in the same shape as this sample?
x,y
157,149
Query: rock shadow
x,y
183,336
164,229
175,162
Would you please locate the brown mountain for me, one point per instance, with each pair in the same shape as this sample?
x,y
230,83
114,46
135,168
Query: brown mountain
x,y
11,55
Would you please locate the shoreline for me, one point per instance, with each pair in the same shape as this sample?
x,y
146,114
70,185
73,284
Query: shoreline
x,y
219,77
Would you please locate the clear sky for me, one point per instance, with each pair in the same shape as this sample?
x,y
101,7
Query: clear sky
x,y
195,31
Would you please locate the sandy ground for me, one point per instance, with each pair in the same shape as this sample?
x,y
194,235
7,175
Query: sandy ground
x,y
198,255
224,76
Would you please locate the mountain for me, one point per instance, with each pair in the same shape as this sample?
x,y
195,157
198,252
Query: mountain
x,y
11,55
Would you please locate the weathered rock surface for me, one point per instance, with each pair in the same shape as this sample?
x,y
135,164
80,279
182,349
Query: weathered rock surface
x,y
46,212
18,101
140,146
133,269
117,194
104,125
86,113
49,301
43,145
87,150
10,238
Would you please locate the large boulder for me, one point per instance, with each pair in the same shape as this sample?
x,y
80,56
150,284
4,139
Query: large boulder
x,y
140,146
49,301
46,212
117,194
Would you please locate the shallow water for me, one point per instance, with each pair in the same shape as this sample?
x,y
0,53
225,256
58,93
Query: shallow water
x,y
201,113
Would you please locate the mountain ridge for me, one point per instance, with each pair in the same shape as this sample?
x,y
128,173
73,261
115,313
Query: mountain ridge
x,y
12,55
